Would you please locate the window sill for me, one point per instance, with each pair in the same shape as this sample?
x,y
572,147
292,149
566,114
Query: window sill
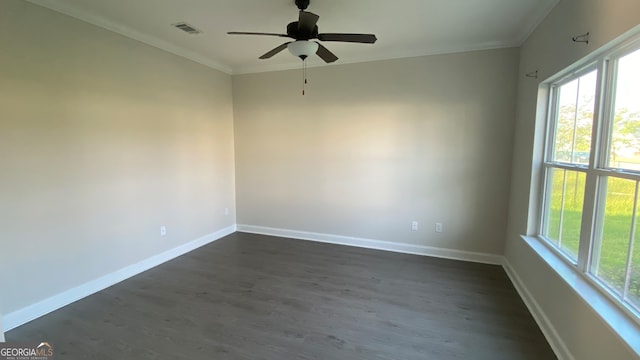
x,y
626,327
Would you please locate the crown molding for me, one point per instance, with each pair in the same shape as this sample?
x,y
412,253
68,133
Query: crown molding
x,y
101,22
132,34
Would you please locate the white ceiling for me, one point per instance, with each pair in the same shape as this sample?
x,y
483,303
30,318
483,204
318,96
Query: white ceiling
x,y
404,27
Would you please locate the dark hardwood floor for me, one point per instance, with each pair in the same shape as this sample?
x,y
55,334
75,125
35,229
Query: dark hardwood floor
x,y
257,297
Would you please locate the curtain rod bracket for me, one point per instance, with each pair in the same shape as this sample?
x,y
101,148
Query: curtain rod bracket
x,y
584,38
533,74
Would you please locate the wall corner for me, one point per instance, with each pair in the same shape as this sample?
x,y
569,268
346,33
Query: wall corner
x,y
1,330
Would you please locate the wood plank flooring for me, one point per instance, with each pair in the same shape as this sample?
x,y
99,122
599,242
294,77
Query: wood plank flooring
x,y
257,297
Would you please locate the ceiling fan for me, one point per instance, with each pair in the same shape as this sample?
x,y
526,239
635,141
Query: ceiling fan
x,y
303,31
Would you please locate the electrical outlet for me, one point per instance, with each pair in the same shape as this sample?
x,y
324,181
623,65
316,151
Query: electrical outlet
x,y
163,230
414,226
439,227
226,211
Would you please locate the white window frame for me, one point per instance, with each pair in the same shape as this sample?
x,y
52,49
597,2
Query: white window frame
x,y
596,170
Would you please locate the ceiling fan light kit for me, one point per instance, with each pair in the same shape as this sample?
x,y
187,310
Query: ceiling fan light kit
x,y
302,48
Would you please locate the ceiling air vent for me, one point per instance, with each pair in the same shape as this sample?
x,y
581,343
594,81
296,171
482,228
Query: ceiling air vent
x,y
187,28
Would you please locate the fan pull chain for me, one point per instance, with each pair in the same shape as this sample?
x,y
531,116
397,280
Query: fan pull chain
x,y
304,76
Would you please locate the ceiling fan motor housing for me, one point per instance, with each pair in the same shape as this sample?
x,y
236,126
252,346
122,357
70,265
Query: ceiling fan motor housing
x,y
294,31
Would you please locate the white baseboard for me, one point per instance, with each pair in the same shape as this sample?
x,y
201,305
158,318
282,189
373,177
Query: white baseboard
x,y
376,244
31,312
549,331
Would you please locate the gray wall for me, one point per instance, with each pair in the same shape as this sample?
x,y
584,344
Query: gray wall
x,y
103,139
549,49
373,146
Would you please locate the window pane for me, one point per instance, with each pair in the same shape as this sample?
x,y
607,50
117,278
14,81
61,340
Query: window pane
x,y
624,150
576,104
564,209
610,251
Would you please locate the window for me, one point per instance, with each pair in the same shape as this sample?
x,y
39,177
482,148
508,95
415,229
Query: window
x,y
591,196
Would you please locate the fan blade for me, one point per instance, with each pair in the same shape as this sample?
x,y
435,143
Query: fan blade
x,y
356,38
256,33
275,51
307,22
325,54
